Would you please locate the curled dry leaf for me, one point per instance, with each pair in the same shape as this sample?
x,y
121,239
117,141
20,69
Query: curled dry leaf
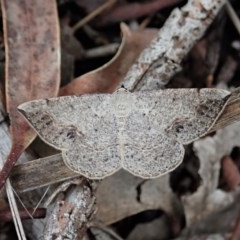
x,y
210,151
123,195
107,77
31,36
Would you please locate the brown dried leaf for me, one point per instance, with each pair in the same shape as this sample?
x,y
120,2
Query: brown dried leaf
x,y
32,65
107,77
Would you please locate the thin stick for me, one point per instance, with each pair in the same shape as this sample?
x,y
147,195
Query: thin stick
x,y
15,214
92,15
232,14
100,51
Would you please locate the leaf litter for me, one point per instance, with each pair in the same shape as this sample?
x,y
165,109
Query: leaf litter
x,y
135,192
106,79
31,71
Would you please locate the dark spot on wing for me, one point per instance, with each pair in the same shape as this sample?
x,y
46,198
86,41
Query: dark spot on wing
x,y
179,128
71,134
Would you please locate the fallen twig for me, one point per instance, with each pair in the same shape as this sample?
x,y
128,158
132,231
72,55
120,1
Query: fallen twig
x,y
6,215
92,15
72,214
232,14
162,59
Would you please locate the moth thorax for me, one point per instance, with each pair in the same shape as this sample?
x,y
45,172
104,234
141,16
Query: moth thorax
x,y
122,110
122,104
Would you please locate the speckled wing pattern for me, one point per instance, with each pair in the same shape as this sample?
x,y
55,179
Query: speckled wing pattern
x,y
142,132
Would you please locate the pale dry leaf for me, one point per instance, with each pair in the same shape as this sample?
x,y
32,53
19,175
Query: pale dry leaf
x,y
210,151
118,198
220,221
99,133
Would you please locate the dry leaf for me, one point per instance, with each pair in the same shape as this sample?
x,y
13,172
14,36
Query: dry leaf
x,y
123,195
32,65
107,77
221,221
210,151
